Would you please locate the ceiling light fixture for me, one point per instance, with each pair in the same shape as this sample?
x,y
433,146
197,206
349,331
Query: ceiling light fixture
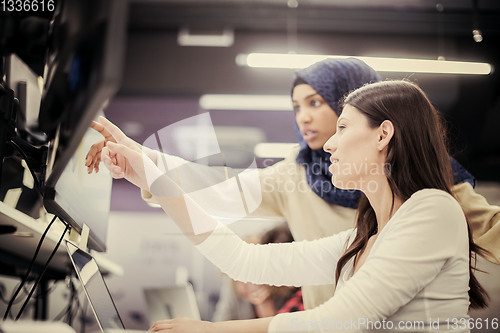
x,y
223,39
296,61
246,102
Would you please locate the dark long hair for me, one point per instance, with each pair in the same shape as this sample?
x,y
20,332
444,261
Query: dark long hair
x,y
417,157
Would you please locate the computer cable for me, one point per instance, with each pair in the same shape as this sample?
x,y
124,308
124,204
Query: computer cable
x,y
5,300
23,154
73,307
74,295
3,295
43,271
26,276
83,317
2,68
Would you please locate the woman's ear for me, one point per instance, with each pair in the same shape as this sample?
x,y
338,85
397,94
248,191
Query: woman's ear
x,y
386,132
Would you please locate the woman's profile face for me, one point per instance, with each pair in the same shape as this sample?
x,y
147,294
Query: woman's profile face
x,y
355,156
315,118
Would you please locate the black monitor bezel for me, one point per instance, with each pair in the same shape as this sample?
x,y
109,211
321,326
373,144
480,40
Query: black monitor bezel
x,y
104,86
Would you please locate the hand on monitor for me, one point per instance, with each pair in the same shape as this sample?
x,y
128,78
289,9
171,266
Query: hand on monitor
x,y
125,157
93,158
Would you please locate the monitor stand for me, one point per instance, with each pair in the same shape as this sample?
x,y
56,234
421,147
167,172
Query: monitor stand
x,y
80,239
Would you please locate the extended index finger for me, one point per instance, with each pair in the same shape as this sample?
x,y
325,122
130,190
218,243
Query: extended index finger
x,y
112,129
102,130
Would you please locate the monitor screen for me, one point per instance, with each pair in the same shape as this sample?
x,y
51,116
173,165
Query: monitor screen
x,y
95,288
81,198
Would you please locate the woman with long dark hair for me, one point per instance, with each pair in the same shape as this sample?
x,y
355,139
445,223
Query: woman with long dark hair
x,y
416,158
406,266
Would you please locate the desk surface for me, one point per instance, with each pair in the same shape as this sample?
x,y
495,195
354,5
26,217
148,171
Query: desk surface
x,y
24,241
22,244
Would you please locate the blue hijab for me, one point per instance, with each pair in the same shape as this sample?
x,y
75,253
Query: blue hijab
x,y
333,79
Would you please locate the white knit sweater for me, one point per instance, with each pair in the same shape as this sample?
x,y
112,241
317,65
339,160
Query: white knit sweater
x,y
415,277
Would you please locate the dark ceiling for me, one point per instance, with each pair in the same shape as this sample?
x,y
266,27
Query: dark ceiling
x,y
170,77
415,17
423,28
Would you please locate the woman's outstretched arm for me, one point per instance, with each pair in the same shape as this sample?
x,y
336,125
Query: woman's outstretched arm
x,y
300,263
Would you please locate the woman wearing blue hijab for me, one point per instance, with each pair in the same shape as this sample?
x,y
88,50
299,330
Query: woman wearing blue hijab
x,y
332,79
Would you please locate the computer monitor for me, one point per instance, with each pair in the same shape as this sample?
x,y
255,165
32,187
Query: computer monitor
x,y
83,72
84,53
95,288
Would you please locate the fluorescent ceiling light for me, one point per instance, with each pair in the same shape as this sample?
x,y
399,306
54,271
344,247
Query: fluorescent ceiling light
x,y
246,102
296,61
273,149
186,38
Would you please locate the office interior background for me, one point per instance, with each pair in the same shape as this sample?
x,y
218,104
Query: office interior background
x,y
177,51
